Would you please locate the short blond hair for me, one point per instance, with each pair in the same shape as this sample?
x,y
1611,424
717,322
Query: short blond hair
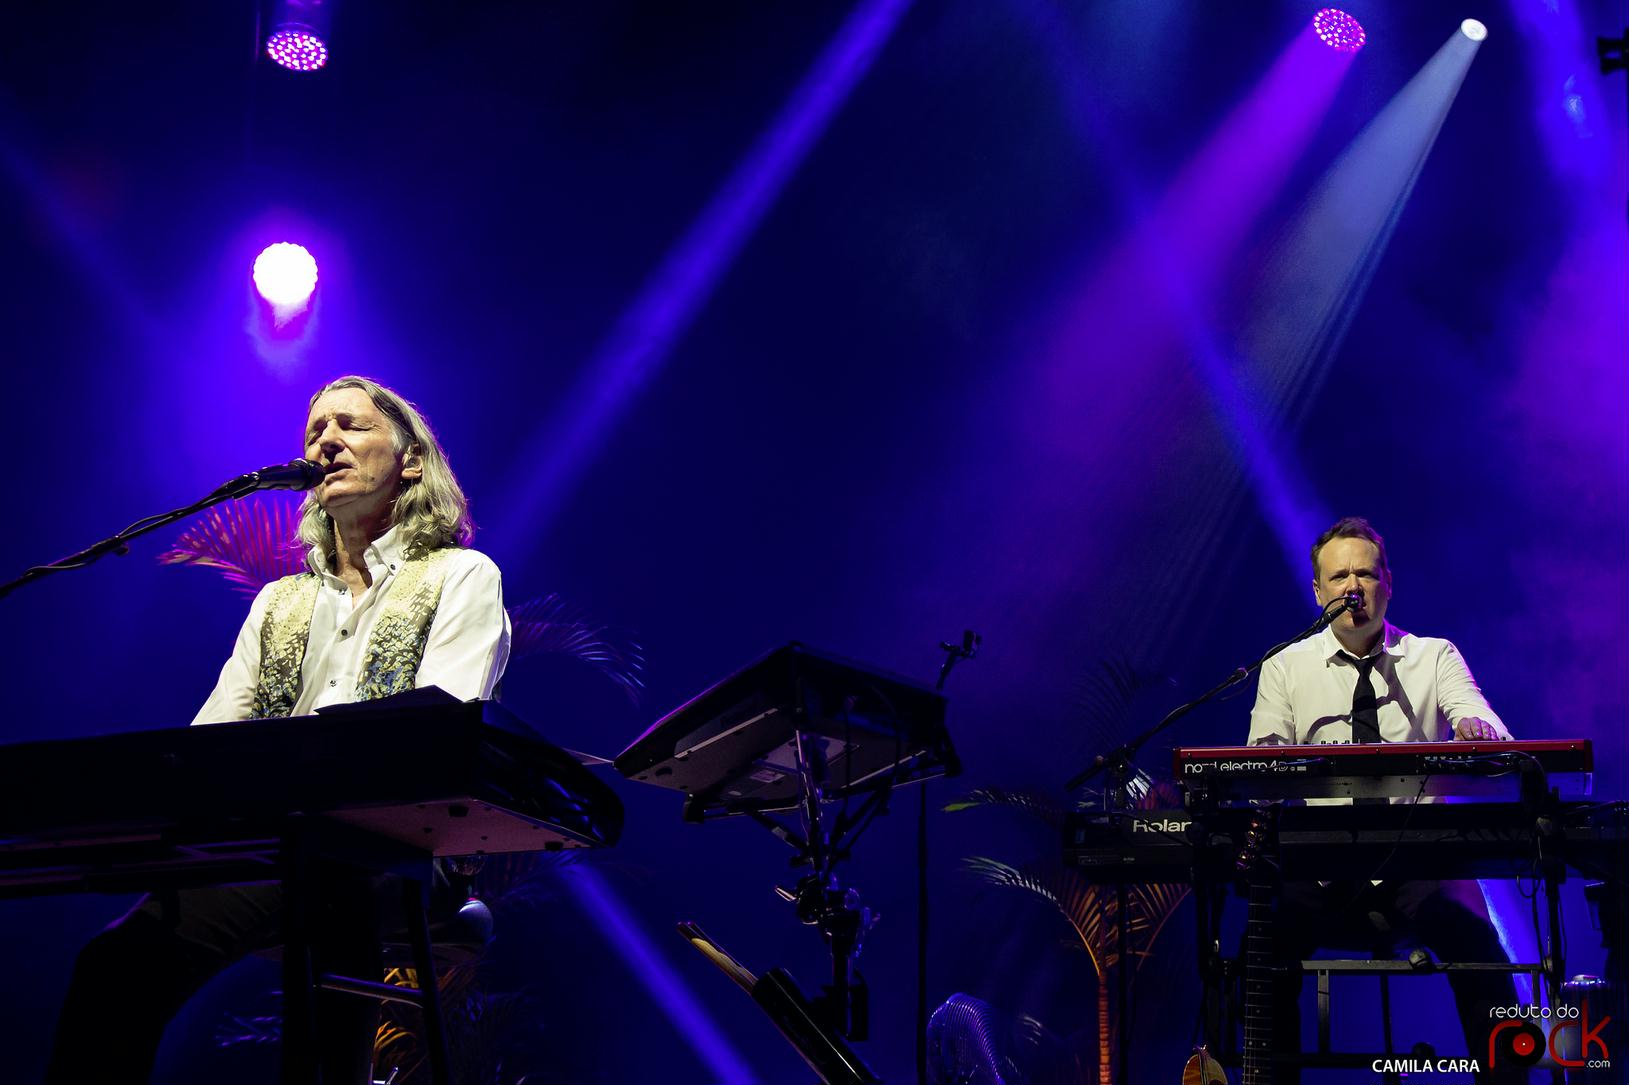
x,y
1350,527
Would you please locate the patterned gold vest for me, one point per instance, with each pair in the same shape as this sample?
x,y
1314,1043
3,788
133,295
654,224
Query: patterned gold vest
x,y
395,647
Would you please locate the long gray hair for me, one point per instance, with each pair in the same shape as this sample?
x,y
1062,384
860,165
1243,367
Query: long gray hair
x,y
431,510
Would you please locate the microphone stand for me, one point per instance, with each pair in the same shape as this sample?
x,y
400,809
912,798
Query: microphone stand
x,y
241,486
1119,761
1120,765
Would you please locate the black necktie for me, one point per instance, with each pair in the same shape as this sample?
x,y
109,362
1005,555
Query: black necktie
x,y
1365,709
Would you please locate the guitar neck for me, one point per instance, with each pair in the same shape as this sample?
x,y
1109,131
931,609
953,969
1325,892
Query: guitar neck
x,y
1258,863
1258,981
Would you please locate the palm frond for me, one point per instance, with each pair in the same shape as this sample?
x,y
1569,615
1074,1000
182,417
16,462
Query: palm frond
x,y
392,1043
238,1029
996,872
493,1039
1161,795
1157,898
1154,903
1046,1057
549,624
1091,910
523,879
396,1043
1031,1030
1087,908
1106,698
252,543
1043,806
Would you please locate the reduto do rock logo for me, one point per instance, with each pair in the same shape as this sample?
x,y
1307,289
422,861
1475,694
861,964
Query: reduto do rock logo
x,y
1520,1040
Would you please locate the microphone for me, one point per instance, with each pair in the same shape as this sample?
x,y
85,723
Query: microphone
x,y
1335,609
293,475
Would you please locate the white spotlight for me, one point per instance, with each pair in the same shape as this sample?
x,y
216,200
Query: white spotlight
x,y
1473,29
285,275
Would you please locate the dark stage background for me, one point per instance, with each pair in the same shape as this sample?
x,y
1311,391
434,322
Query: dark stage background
x,y
858,324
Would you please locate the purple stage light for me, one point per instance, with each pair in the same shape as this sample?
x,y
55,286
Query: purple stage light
x,y
297,48
285,274
1339,30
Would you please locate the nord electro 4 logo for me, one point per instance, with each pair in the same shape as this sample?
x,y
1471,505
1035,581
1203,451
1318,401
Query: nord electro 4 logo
x,y
1211,768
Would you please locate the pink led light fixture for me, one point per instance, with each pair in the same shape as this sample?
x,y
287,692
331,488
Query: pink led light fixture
x,y
1339,30
298,39
297,48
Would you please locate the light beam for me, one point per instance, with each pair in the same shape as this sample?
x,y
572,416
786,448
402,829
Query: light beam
x,y
1316,278
1143,317
557,456
667,989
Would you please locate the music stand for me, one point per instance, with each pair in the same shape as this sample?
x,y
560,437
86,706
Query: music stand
x,y
793,732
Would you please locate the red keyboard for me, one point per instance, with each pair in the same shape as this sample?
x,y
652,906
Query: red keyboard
x,y
1384,769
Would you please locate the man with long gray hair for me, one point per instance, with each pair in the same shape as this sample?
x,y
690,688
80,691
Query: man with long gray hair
x,y
391,599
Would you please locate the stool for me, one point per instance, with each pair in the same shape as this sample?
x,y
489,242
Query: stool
x,y
456,940
304,844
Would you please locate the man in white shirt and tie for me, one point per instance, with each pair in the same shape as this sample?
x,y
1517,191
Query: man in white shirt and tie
x,y
1364,680
392,599
1423,692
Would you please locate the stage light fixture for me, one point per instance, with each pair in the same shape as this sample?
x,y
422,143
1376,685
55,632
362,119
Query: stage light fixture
x,y
298,32
285,274
297,49
1339,31
1473,29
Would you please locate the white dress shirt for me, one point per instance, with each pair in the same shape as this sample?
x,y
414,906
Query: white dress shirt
x,y
1422,689
465,652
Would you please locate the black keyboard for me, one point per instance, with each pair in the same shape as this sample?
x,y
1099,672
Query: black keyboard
x,y
123,810
1425,840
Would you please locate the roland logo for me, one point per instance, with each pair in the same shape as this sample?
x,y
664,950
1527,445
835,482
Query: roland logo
x,y
1160,825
